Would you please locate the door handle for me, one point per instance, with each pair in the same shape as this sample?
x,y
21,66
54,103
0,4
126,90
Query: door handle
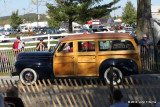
x,y
94,57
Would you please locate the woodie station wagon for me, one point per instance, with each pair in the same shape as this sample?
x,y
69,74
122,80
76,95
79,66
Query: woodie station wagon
x,y
84,55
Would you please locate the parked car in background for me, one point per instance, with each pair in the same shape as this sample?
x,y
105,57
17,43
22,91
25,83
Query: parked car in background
x,y
24,29
62,29
10,31
129,30
102,29
3,35
77,28
87,31
89,55
63,32
45,31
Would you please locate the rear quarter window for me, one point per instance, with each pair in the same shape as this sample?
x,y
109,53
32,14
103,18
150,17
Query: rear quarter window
x,y
115,45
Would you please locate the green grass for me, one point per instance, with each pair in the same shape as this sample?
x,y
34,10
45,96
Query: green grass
x,y
5,45
5,74
22,34
34,44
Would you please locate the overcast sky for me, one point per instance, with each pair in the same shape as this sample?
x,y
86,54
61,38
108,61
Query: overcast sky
x,y
26,6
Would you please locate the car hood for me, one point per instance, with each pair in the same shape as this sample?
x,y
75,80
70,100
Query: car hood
x,y
34,55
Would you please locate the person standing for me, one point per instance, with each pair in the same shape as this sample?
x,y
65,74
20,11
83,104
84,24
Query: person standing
x,y
145,42
18,46
41,46
117,96
85,31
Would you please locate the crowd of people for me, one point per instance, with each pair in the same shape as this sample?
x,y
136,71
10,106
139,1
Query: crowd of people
x,y
18,46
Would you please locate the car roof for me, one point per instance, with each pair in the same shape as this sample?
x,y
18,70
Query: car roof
x,y
97,36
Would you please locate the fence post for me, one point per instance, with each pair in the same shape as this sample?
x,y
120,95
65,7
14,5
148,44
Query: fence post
x,y
48,41
111,83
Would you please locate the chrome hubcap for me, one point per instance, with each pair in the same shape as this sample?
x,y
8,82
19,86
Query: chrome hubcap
x,y
114,75
28,76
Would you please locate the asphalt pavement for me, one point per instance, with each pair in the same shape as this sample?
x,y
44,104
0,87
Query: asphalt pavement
x,y
142,76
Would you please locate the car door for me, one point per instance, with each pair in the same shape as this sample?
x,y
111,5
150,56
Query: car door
x,y
63,61
86,59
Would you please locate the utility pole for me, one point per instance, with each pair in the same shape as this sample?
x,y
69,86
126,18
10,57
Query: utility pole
x,y
24,15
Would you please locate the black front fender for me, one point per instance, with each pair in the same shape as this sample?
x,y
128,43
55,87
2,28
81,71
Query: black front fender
x,y
42,68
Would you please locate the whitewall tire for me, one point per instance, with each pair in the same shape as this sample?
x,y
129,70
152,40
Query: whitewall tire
x,y
28,75
117,76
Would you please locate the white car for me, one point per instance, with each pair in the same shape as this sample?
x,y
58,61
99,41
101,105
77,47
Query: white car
x,y
62,29
3,36
24,29
102,29
63,32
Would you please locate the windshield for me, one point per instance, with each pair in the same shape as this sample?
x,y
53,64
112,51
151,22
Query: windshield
x,y
56,47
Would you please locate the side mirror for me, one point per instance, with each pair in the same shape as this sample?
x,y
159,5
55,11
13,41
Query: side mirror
x,y
50,50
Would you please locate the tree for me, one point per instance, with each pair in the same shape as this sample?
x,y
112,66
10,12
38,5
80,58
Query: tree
x,y
79,11
159,11
143,19
129,14
15,20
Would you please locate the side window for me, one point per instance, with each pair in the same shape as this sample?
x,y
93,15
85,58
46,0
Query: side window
x,y
66,47
121,45
86,46
103,45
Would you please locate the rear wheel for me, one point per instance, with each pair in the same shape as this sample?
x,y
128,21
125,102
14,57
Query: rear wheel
x,y
28,75
117,76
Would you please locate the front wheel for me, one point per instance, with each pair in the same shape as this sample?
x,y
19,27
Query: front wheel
x,y
117,76
28,75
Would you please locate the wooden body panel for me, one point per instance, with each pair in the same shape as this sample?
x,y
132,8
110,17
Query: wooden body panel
x,y
66,68
88,63
63,64
88,59
86,69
